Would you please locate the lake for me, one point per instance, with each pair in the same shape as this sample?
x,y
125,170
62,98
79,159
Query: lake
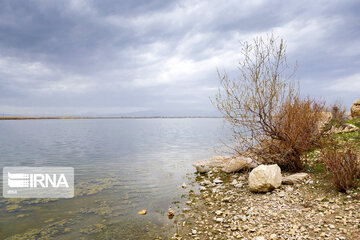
x,y
121,167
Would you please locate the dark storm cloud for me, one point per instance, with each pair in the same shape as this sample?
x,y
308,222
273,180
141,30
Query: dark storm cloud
x,y
81,57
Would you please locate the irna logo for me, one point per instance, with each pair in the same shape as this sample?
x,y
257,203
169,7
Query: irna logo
x,y
23,180
38,182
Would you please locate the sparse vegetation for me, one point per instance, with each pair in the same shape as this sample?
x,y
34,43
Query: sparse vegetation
x,y
264,108
343,163
338,113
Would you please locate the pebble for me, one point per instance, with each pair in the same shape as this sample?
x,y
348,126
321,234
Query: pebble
x,y
290,212
219,219
273,236
217,181
142,212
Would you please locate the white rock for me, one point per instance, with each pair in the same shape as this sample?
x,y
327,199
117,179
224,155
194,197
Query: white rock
x,y
259,238
273,236
218,212
281,194
205,182
355,109
295,178
238,163
265,178
219,219
206,165
234,182
217,181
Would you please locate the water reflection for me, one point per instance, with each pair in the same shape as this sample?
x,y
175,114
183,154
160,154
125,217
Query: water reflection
x,y
121,167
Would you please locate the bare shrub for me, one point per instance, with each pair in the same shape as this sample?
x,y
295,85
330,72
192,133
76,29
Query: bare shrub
x,y
338,113
343,165
295,132
263,107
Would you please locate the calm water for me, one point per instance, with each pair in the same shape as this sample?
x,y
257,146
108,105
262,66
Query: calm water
x,y
121,166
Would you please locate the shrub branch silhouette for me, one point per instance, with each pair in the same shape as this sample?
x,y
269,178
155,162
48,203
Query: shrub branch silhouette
x,y
264,109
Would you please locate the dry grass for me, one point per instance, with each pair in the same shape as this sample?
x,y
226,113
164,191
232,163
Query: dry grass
x,y
343,163
295,132
338,113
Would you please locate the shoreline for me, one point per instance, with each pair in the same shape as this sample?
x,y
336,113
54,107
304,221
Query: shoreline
x,y
228,210
154,117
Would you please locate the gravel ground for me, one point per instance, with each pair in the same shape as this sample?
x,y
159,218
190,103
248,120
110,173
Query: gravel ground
x,y
222,207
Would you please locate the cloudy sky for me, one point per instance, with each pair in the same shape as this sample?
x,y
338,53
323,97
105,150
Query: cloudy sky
x,y
129,57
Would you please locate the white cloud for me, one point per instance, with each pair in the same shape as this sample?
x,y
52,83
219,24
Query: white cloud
x,y
304,34
23,70
36,76
347,84
93,51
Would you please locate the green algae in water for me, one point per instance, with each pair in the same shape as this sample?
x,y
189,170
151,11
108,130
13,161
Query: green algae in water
x,y
85,215
48,232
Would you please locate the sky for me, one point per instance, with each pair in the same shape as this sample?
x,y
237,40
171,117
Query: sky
x,y
144,58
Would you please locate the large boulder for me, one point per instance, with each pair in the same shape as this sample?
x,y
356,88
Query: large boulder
x,y
239,163
206,165
295,178
355,109
265,178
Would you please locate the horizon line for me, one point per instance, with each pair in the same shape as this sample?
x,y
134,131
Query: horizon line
x,y
120,117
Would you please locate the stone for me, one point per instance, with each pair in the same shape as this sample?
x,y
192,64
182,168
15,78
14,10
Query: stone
x,y
294,178
206,165
273,236
171,213
217,181
234,182
218,212
227,199
219,219
281,194
259,238
239,163
142,212
205,183
355,109
265,178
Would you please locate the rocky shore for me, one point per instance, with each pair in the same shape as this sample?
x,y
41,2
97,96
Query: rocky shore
x,y
237,198
224,208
